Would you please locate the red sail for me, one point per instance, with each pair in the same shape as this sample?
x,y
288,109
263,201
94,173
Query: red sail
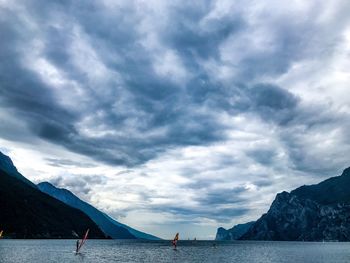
x,y
83,240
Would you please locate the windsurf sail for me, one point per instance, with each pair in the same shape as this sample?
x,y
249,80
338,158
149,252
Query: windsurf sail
x,y
82,242
176,238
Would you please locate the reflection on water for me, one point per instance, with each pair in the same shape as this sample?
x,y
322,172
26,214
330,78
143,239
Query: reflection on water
x,y
43,251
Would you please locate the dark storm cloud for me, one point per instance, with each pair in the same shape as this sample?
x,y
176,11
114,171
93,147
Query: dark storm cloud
x,y
219,214
211,204
155,101
222,215
186,35
66,162
272,97
221,204
79,185
263,182
270,102
160,103
221,197
263,156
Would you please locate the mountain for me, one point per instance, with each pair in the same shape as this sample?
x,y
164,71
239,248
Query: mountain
x,y
26,212
331,191
138,234
233,233
108,225
7,166
310,213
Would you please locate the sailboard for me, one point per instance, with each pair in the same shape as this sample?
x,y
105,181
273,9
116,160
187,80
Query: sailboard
x,y
176,238
83,240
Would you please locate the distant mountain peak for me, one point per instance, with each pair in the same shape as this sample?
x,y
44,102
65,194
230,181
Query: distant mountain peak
x,y
110,226
233,233
51,186
45,184
6,163
7,166
48,187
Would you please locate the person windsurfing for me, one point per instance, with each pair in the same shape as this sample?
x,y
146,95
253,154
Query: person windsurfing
x,y
82,242
174,242
77,249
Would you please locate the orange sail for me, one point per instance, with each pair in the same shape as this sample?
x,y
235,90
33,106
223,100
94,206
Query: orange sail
x,y
176,238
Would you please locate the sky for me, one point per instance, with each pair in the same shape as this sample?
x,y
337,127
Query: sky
x,y
176,116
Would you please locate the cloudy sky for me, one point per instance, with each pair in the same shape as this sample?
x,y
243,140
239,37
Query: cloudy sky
x,y
176,116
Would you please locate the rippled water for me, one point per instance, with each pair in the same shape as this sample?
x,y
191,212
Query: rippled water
x,y
202,251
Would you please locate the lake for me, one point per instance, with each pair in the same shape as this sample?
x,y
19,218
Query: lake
x,y
44,251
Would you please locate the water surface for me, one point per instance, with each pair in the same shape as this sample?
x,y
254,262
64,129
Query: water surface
x,y
61,251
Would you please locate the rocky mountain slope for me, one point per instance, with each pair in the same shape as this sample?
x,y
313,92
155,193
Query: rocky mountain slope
x,y
233,233
310,213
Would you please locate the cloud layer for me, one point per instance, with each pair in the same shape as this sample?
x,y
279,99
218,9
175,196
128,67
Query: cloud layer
x,y
189,112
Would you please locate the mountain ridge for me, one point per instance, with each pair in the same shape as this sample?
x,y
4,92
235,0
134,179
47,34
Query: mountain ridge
x,y
308,213
26,212
7,165
109,226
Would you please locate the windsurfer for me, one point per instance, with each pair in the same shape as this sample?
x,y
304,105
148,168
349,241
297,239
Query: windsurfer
x,y
82,242
175,240
78,243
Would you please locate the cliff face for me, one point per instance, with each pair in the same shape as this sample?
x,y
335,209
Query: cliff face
x,y
311,213
233,233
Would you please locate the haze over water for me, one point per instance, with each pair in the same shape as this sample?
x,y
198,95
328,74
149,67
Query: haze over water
x,y
40,251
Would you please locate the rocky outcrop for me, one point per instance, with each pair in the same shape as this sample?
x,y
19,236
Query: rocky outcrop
x,y
233,233
310,213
